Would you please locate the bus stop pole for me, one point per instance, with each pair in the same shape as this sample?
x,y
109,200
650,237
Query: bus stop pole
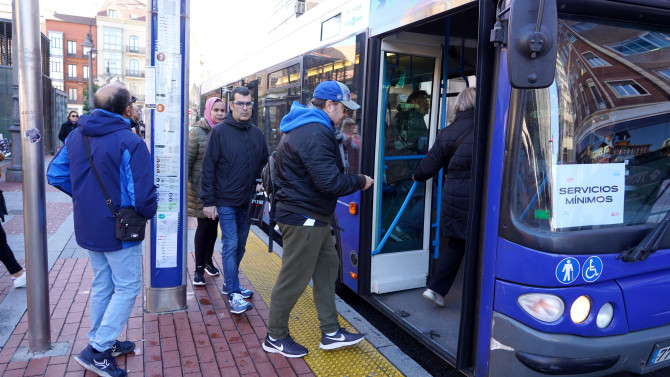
x,y
29,60
165,260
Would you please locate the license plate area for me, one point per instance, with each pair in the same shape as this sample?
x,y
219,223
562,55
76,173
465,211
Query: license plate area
x,y
660,353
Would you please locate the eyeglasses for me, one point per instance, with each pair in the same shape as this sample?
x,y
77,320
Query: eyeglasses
x,y
74,116
132,100
241,105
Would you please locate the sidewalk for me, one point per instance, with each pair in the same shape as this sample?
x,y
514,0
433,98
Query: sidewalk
x,y
204,340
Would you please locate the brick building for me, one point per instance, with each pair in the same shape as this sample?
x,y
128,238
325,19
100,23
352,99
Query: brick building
x,y
69,64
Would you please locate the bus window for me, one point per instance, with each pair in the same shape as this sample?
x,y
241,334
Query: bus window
x,y
340,62
592,151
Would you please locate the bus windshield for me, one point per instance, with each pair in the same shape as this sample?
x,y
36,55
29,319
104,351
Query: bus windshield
x,y
591,154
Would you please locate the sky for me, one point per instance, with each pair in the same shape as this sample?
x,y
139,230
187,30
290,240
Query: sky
x,y
220,29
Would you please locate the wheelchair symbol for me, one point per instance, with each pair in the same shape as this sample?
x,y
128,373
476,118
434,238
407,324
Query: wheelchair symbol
x,y
593,268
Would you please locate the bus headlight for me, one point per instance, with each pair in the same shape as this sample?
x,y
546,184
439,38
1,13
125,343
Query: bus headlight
x,y
580,309
542,306
605,315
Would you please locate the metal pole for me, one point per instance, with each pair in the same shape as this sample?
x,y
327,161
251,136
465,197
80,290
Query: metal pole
x,y
34,214
90,79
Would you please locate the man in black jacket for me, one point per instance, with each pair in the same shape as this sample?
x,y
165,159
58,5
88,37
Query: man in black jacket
x,y
234,156
310,177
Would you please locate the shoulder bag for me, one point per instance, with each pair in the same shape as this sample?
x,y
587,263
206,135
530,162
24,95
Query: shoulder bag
x,y
130,225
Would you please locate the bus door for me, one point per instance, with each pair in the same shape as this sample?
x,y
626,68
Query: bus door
x,y
407,124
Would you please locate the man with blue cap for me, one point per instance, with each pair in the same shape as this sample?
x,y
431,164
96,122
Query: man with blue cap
x,y
309,178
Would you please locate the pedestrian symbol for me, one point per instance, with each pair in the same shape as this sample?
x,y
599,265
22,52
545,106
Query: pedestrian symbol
x,y
593,268
567,270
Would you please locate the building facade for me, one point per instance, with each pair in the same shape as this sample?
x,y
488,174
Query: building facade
x,y
121,28
69,63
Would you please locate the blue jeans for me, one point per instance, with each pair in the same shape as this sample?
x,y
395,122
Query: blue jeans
x,y
117,280
234,233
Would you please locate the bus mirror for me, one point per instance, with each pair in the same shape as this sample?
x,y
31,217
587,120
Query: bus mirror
x,y
531,48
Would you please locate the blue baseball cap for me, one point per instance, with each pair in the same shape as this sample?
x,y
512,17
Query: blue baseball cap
x,y
335,91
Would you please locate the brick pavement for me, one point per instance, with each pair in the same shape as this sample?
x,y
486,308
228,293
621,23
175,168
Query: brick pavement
x,y
203,340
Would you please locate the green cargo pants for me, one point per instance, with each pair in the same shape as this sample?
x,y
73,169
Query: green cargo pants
x,y
309,253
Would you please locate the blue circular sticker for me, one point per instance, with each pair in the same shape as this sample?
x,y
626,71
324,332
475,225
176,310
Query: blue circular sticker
x,y
593,268
567,270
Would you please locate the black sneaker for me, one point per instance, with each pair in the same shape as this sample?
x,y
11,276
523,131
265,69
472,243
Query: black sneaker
x,y
286,347
342,338
211,270
122,348
102,364
199,276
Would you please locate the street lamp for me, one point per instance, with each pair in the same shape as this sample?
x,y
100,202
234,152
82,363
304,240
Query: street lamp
x,y
88,43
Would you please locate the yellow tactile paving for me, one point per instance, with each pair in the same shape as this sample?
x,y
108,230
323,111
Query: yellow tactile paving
x,y
262,268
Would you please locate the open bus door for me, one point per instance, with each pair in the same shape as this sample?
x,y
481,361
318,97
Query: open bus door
x,y
408,119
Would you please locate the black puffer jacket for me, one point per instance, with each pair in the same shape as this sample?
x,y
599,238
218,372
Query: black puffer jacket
x,y
458,168
234,156
310,172
65,130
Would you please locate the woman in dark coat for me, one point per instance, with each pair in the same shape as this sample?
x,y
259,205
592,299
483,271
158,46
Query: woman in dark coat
x,y
6,255
453,152
69,125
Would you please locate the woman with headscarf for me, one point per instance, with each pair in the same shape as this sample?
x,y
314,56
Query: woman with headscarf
x,y
205,234
452,151
69,125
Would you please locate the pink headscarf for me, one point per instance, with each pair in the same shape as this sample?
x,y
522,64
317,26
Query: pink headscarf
x,y
208,109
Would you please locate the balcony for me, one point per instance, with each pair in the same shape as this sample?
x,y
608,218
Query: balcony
x,y
134,73
135,50
75,78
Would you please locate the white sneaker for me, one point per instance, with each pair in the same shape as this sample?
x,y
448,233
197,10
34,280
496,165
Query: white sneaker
x,y
433,296
20,281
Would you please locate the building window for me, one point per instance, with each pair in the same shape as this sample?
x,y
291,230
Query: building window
x,y
133,88
133,43
111,39
56,43
72,94
134,68
582,71
84,70
112,13
112,63
71,71
600,102
665,73
583,26
645,42
71,48
594,61
627,88
56,66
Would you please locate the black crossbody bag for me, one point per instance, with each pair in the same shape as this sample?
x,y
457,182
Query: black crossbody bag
x,y
130,225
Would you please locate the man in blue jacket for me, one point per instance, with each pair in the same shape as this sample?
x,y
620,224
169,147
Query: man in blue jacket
x,y
124,165
310,178
234,157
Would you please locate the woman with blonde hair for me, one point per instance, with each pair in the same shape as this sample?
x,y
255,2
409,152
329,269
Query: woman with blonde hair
x,y
453,152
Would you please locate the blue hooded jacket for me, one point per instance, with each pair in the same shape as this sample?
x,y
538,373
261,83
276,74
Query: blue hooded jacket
x,y
125,167
301,115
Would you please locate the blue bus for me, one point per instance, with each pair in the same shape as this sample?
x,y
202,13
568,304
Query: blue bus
x,y
567,266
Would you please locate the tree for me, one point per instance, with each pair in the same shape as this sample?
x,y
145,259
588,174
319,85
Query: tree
x,y
95,89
